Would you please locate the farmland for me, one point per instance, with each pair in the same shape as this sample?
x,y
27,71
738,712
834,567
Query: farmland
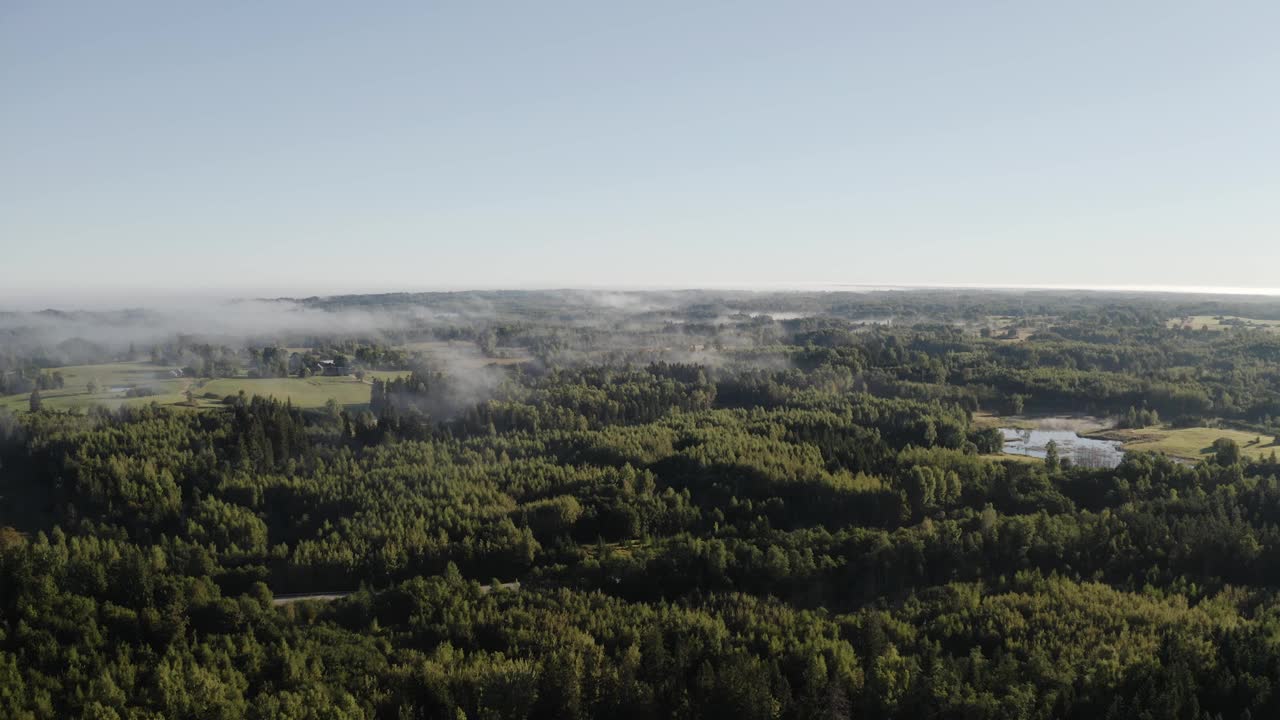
x,y
114,380
303,392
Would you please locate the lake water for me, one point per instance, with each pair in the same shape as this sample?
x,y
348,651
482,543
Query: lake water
x,y
1086,452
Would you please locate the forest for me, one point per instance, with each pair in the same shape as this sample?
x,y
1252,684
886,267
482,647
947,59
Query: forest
x,y
649,505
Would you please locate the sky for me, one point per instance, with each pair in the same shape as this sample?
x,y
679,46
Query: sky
x,y
313,147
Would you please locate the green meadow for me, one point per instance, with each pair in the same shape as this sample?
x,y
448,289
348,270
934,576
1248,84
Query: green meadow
x,y
114,380
1192,443
309,392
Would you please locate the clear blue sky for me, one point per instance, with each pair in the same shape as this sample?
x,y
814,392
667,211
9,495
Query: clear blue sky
x,y
318,146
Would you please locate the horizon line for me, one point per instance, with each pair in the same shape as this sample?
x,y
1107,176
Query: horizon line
x,y
126,298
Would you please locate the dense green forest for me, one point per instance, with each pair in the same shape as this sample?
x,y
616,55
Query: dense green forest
x,y
652,505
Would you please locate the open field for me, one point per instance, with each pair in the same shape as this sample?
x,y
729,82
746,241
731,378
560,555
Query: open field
x,y
385,374
983,419
1219,323
114,378
1190,443
306,393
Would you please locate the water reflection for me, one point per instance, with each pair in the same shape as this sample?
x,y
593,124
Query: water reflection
x,y
1086,452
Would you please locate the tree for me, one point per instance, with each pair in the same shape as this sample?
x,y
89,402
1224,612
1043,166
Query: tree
x,y
1016,404
988,440
91,386
921,487
35,402
1226,451
1051,456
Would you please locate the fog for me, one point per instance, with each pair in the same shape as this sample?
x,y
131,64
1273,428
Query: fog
x,y
256,321
218,321
673,324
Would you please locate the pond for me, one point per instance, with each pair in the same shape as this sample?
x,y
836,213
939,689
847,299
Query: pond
x,y
1086,452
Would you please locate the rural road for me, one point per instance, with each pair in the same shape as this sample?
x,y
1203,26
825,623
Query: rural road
x,y
288,598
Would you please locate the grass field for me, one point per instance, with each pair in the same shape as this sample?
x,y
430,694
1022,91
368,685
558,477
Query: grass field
x,y
306,393
1191,443
983,419
113,378
1218,323
1075,423
385,374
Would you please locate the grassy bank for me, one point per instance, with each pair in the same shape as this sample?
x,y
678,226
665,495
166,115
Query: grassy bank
x,y
1191,443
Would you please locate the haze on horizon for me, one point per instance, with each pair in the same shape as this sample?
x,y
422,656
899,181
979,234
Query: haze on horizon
x,y
319,147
